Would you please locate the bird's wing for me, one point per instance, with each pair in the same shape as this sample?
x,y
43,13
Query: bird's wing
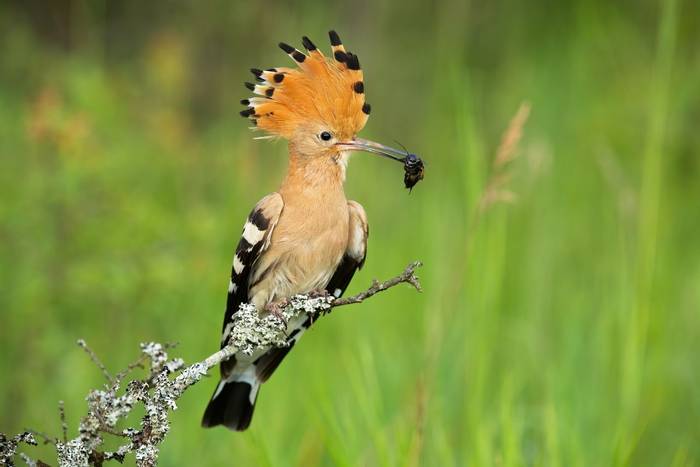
x,y
355,253
233,401
255,239
353,259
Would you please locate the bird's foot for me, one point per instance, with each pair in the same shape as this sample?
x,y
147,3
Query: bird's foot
x,y
318,293
275,308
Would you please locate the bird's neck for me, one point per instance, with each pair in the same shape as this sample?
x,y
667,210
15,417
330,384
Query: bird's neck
x,y
314,177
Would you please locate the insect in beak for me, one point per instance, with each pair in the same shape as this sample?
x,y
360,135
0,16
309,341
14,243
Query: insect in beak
x,y
412,164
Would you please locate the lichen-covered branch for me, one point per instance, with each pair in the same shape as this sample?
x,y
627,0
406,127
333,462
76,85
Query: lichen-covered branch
x,y
9,445
166,381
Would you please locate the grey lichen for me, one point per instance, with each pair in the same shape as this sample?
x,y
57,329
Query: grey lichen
x,y
74,453
147,455
251,331
8,446
28,460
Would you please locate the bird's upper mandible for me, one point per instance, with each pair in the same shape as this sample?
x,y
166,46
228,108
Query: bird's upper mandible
x,y
320,93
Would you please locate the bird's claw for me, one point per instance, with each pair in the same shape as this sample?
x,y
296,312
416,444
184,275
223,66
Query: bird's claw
x,y
276,308
318,293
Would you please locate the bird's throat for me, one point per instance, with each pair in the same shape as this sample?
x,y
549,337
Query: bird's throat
x,y
323,174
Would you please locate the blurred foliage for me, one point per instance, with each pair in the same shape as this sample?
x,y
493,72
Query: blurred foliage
x,y
560,329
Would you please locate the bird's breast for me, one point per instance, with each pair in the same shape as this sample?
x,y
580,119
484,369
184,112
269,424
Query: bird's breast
x,y
305,249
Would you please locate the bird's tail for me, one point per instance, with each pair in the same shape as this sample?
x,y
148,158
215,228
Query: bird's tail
x,y
232,405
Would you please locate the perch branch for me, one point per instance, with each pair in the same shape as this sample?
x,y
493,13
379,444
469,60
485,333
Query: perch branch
x,y
168,379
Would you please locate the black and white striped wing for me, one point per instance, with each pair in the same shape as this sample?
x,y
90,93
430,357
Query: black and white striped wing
x,y
233,401
255,239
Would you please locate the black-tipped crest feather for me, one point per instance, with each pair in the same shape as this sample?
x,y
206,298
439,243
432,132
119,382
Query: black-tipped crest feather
x,y
310,46
335,39
286,47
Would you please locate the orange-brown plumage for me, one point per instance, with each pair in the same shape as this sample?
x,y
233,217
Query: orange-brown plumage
x,y
311,235
321,91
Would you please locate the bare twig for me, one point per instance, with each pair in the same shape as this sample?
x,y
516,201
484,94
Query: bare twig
x,y
158,392
95,360
62,416
140,362
407,276
44,437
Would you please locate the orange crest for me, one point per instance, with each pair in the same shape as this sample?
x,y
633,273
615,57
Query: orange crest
x,y
321,92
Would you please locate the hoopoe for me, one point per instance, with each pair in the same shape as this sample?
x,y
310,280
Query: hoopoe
x,y
307,236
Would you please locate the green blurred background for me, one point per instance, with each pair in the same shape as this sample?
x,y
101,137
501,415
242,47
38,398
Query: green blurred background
x,y
560,328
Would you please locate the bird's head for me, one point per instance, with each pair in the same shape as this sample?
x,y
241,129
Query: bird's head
x,y
318,106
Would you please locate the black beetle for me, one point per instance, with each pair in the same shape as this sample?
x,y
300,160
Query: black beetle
x,y
413,168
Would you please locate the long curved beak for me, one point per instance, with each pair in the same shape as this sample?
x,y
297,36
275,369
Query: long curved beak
x,y
359,144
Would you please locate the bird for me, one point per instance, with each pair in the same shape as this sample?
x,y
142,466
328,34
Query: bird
x,y
306,236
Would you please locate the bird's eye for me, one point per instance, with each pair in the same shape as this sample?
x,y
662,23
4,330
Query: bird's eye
x,y
325,136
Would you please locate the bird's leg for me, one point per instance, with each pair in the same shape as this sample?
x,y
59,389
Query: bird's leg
x,y
275,308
